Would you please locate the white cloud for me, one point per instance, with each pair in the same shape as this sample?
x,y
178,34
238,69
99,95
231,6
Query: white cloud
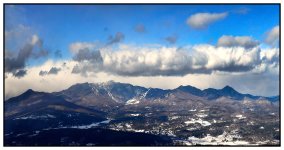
x,y
76,46
229,59
260,84
171,61
163,67
253,70
272,36
270,61
135,62
202,20
235,41
271,54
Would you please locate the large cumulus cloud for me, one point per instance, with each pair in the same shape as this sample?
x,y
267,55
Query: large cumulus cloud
x,y
173,61
88,59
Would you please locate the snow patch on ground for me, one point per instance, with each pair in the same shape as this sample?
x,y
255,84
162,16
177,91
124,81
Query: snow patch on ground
x,y
132,101
201,115
139,130
95,90
83,126
273,114
35,117
240,117
145,94
91,125
223,139
134,115
200,121
128,125
111,96
173,117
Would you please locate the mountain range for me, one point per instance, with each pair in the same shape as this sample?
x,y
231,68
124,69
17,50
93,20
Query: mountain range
x,y
114,106
122,92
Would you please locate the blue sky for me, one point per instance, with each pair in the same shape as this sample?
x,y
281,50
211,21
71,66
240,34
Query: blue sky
x,y
63,24
149,45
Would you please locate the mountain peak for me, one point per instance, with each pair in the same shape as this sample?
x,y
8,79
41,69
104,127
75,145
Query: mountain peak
x,y
231,92
190,89
27,94
29,91
228,88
